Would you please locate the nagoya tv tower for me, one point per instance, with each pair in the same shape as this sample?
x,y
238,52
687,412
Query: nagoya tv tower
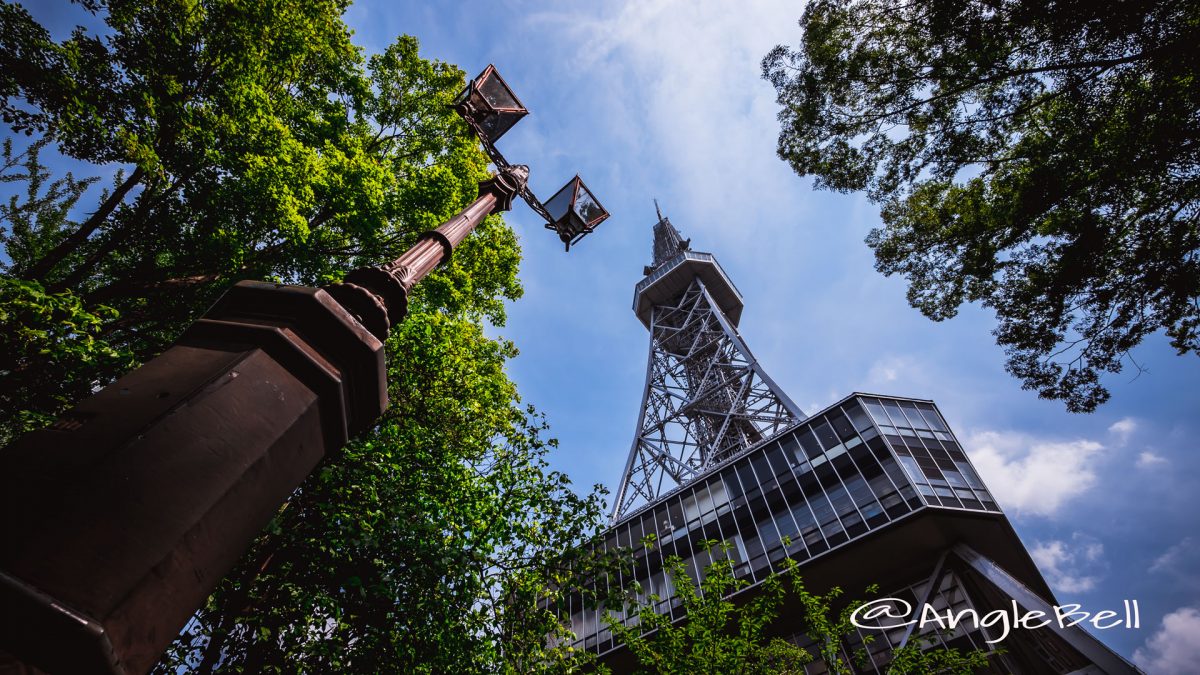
x,y
872,489
706,398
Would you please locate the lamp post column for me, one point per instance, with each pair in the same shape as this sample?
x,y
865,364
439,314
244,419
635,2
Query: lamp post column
x,y
118,521
378,296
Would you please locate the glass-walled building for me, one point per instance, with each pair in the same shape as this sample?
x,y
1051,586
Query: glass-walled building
x,y
856,467
872,490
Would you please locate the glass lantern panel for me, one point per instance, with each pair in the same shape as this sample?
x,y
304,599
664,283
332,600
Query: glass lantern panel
x,y
481,114
489,122
465,94
501,122
560,203
495,125
497,94
587,207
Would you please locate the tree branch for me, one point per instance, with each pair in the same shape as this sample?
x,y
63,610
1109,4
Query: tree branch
x,y
74,240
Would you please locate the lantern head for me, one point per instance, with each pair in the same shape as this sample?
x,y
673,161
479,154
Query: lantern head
x,y
490,105
574,212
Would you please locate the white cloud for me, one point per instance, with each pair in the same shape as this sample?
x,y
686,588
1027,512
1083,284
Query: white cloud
x,y
1123,428
1175,648
1174,555
1149,459
1030,475
890,369
1070,566
1180,563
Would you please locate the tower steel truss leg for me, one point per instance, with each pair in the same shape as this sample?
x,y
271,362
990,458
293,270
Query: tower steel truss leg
x,y
706,400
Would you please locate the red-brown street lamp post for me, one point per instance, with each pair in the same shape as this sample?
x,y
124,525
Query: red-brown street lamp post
x,y
118,521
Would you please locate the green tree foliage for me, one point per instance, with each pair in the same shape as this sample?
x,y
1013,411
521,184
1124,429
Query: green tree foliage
x,y
1038,158
719,635
56,332
723,636
44,337
254,140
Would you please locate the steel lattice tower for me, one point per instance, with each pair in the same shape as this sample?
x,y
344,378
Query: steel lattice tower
x,y
706,398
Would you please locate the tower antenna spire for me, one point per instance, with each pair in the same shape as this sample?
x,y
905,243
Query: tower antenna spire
x,y
657,210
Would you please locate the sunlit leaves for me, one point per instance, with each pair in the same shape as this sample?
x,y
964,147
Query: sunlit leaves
x,y
48,337
1038,159
722,634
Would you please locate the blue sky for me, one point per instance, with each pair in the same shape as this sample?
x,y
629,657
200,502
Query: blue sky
x,y
662,99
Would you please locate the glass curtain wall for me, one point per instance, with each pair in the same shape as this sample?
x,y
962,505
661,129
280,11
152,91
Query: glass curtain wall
x,y
838,475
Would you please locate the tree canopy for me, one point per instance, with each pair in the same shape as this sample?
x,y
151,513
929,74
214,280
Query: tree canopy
x,y
244,141
254,140
1041,159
